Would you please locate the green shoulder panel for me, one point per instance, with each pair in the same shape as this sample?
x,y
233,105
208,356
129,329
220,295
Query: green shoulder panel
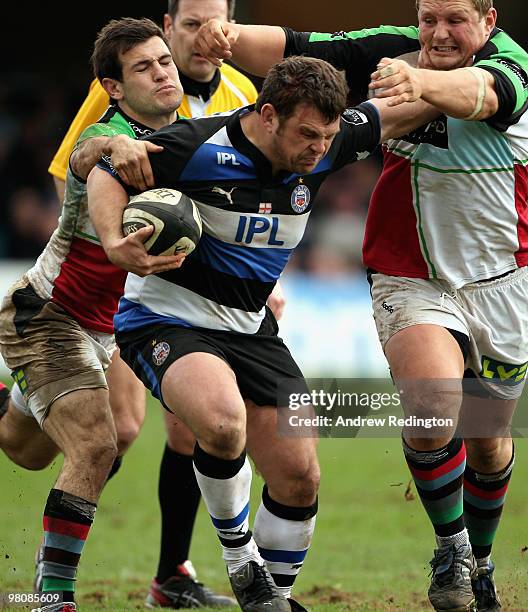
x,y
406,32
507,57
116,125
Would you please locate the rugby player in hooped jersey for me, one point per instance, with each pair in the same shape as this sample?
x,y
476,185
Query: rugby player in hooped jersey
x,y
448,227
207,90
203,341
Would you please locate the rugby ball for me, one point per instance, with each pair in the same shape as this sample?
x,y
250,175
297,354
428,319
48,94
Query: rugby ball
x,y
175,217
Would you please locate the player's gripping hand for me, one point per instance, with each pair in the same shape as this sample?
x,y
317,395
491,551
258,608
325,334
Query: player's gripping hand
x,y
129,253
131,162
397,80
214,39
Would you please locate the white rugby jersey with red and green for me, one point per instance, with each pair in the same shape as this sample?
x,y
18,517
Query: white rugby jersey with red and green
x,y
73,270
451,202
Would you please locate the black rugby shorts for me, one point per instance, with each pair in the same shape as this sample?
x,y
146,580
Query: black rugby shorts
x,y
260,361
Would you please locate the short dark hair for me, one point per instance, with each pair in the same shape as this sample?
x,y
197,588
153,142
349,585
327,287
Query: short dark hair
x,y
116,37
482,6
173,6
304,80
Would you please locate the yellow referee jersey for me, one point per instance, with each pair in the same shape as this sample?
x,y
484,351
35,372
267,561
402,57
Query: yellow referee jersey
x,y
234,90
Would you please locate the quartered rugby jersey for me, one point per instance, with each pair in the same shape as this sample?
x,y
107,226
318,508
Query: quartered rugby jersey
x,y
252,221
73,270
356,52
452,199
229,89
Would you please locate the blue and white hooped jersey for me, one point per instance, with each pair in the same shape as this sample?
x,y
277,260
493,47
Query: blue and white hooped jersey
x,y
252,221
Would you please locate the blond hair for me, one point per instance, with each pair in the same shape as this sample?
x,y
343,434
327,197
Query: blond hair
x,y
481,6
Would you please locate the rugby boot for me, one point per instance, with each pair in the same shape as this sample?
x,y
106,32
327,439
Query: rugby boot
x,y
296,606
452,569
183,591
65,606
255,590
484,589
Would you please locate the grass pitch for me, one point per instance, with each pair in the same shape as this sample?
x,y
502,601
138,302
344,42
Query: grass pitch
x,y
370,552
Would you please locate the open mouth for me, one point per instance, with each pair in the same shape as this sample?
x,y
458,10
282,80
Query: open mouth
x,y
444,49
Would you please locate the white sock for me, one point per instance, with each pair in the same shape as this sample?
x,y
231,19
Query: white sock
x,y
283,545
458,539
227,501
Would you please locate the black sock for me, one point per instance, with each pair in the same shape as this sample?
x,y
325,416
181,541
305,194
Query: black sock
x,y
179,496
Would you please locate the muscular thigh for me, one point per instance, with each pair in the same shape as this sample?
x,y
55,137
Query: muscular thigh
x,y
49,353
80,420
22,439
187,372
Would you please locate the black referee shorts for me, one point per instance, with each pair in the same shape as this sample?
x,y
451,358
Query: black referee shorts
x,y
260,361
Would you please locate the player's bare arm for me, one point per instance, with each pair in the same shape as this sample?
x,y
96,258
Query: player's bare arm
x,y
254,48
404,118
277,301
106,201
464,93
129,158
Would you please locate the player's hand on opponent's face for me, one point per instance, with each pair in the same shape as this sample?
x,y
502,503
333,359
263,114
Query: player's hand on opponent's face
x,y
129,253
277,301
131,162
214,39
397,80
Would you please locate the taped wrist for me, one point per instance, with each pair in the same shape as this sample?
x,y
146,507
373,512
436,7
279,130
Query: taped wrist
x,y
481,93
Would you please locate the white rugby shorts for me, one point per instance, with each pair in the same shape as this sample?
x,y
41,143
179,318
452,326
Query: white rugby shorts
x,y
492,314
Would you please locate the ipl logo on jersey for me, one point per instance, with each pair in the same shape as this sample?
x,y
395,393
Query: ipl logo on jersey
x,y
300,198
160,353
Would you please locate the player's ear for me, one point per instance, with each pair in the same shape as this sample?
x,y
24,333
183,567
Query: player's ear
x,y
113,88
167,25
269,117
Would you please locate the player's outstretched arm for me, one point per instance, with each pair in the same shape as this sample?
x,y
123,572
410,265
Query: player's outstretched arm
x,y
464,93
129,158
106,201
404,118
255,48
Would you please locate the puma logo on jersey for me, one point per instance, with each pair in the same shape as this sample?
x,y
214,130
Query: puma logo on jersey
x,y
227,194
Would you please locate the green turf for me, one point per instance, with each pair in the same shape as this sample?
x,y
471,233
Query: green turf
x,y
370,552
